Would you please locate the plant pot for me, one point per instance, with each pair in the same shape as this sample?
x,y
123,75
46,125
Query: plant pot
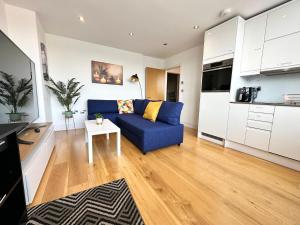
x,y
68,114
14,117
99,121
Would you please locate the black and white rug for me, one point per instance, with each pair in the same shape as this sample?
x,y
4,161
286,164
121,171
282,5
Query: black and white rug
x,y
107,204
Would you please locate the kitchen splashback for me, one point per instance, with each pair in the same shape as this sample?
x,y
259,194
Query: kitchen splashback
x,y
274,87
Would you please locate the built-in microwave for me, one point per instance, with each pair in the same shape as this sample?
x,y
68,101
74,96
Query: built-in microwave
x,y
217,76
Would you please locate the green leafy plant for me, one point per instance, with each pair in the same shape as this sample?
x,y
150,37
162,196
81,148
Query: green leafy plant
x,y
98,116
66,94
14,94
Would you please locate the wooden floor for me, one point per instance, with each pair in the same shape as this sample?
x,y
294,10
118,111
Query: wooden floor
x,y
197,183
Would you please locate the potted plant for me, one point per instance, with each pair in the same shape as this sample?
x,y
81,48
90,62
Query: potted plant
x,y
99,118
14,94
66,94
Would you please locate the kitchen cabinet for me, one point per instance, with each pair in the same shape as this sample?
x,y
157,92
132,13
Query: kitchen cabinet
x,y
213,116
282,53
254,36
257,138
220,40
285,139
283,21
237,122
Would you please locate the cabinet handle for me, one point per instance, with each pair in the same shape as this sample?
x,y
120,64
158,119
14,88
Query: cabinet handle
x,y
2,199
2,143
257,49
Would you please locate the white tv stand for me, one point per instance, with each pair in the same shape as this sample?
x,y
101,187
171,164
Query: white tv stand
x,y
35,157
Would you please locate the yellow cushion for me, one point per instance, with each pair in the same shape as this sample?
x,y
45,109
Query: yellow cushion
x,y
152,110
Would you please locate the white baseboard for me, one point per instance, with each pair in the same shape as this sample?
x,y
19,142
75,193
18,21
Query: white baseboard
x,y
218,142
290,163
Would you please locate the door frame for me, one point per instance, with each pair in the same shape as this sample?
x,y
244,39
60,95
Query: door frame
x,y
166,81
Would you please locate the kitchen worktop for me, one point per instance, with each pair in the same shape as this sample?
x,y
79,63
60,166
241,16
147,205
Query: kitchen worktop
x,y
268,103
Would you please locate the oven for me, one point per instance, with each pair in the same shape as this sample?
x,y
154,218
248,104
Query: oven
x,y
217,76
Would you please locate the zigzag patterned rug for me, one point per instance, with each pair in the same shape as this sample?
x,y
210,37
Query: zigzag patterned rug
x,y
107,204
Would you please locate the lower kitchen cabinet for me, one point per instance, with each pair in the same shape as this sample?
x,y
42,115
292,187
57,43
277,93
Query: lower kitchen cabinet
x,y
237,122
285,137
257,138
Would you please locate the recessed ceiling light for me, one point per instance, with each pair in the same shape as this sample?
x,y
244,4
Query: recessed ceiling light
x,y
81,18
165,44
225,12
196,27
131,34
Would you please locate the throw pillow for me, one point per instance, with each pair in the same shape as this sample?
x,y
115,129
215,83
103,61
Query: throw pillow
x,y
170,112
152,110
125,106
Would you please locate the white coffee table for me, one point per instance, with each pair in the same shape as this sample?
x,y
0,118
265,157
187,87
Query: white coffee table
x,y
91,129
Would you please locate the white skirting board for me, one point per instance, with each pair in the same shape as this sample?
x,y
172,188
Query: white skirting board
x,y
218,142
290,163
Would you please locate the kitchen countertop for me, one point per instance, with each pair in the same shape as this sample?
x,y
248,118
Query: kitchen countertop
x,y
268,103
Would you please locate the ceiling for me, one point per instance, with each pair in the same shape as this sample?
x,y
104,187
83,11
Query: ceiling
x,y
153,22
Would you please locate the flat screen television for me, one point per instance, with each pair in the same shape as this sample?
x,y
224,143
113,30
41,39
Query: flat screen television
x,y
18,92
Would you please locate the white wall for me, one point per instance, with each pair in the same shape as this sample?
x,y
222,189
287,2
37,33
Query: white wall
x,y
25,31
190,62
3,23
69,58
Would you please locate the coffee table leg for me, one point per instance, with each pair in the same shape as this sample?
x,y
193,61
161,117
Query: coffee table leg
x,y
107,136
90,148
118,143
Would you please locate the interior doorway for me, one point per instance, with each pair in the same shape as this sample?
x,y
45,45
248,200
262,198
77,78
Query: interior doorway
x,y
173,84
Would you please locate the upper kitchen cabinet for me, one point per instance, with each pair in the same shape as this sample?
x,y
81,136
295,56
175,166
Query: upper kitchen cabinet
x,y
220,41
284,20
254,36
281,54
285,139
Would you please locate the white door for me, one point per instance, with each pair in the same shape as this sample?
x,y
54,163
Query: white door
x,y
237,122
283,21
213,115
285,137
254,37
281,53
220,40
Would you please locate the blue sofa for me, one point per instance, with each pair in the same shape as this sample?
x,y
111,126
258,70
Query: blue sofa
x,y
146,135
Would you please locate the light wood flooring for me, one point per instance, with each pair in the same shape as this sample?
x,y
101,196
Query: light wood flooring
x,y
196,183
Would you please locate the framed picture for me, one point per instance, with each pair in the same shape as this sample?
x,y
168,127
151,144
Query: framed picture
x,y
106,73
44,62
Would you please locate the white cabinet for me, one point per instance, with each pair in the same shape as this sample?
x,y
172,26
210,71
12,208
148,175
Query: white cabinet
x,y
284,20
257,138
213,114
220,40
254,36
281,53
285,139
237,122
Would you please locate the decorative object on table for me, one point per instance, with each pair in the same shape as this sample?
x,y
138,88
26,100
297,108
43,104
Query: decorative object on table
x,y
135,78
152,110
125,106
111,203
67,95
14,95
44,62
106,73
99,118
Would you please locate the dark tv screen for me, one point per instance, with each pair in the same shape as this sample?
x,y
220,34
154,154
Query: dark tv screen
x,y
18,93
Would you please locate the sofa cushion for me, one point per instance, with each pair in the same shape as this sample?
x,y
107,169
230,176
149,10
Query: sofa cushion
x,y
140,105
102,106
152,110
170,112
125,106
